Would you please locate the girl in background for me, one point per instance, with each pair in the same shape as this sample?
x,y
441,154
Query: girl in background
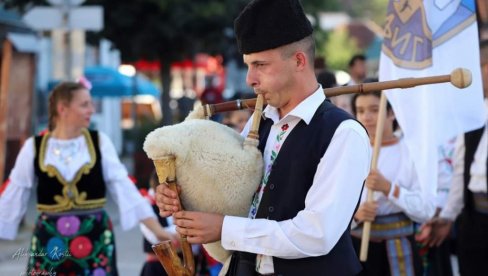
x,y
397,199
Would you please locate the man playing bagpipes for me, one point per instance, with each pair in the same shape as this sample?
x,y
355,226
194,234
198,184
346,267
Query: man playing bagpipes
x,y
316,158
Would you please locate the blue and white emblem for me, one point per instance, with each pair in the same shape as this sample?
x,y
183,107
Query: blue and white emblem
x,y
414,28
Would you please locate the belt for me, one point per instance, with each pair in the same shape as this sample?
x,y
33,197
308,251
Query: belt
x,y
393,230
387,227
480,203
74,212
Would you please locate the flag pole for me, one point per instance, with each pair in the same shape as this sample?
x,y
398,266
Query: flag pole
x,y
380,125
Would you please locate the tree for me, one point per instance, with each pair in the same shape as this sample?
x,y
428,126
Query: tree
x,y
339,48
374,10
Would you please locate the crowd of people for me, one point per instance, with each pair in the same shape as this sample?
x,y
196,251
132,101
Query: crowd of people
x,y
308,213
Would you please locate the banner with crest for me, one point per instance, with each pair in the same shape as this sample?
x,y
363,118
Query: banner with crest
x,y
425,38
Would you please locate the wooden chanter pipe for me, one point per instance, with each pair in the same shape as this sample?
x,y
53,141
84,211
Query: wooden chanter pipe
x,y
459,77
167,255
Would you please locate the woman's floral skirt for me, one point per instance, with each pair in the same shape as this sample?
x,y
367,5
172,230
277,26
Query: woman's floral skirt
x,y
73,243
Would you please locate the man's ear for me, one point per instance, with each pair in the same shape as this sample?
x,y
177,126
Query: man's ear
x,y
301,60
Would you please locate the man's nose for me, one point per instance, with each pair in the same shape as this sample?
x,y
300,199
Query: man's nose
x,y
251,79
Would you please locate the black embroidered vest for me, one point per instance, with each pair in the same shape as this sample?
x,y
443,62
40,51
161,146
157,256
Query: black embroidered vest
x,y
290,179
85,191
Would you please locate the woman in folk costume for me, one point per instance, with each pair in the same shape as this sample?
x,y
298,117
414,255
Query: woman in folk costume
x,y
73,168
397,199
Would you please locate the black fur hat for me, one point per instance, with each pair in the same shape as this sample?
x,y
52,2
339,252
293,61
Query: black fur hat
x,y
268,24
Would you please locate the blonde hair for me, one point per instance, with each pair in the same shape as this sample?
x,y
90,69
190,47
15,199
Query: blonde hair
x,y
63,92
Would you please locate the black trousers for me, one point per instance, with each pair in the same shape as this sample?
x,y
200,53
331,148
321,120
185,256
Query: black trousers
x,y
472,244
439,260
242,264
377,263
152,268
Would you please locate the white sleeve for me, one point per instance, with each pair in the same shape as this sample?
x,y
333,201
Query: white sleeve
x,y
329,204
455,202
15,198
150,236
132,206
410,197
411,200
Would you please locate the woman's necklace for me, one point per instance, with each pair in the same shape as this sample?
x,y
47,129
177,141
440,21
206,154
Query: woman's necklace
x,y
65,151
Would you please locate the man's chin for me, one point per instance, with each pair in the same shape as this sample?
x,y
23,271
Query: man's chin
x,y
271,104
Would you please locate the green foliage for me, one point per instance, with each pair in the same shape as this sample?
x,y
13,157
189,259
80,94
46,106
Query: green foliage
x,y
338,49
321,38
374,10
170,29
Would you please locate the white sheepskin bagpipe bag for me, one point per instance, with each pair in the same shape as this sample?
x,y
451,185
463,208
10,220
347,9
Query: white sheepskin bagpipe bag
x,y
217,170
